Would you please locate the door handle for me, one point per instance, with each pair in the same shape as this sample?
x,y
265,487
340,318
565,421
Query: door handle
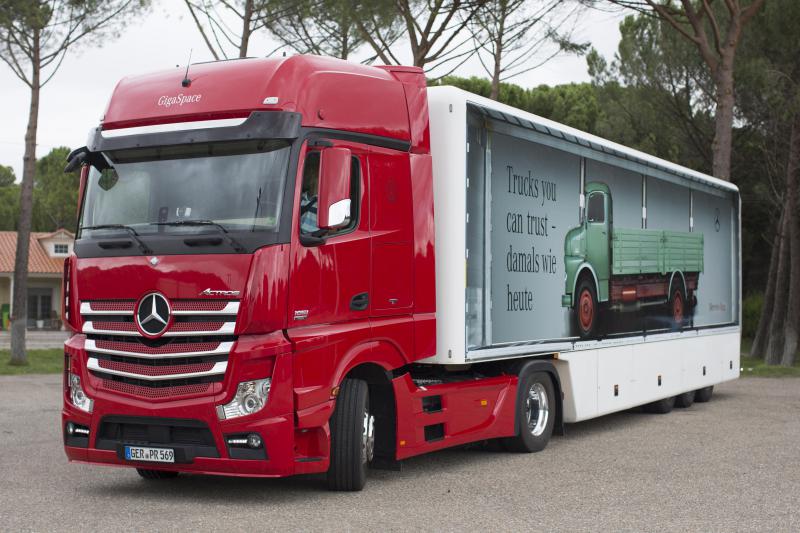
x,y
359,302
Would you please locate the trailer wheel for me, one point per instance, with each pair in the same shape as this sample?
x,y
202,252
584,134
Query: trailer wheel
x,y
684,400
536,413
677,307
703,395
352,437
586,308
156,474
661,407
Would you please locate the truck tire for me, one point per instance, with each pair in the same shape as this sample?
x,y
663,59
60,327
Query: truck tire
x,y
352,437
703,395
677,307
684,400
156,474
586,309
536,413
661,407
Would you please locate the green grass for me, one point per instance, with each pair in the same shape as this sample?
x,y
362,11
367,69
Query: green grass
x,y
39,362
755,366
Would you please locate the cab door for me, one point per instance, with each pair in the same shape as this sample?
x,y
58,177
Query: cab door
x,y
392,229
598,240
330,276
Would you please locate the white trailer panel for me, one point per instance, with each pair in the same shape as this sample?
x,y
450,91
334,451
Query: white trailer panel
x,y
495,167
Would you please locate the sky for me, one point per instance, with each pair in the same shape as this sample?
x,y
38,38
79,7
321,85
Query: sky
x,y
74,100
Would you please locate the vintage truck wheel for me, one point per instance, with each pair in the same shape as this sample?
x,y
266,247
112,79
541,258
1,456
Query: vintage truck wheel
x,y
586,309
677,307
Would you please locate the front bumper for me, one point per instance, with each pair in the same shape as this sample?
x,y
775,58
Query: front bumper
x,y
190,425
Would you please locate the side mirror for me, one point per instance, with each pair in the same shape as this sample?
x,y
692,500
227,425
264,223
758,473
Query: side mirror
x,y
333,205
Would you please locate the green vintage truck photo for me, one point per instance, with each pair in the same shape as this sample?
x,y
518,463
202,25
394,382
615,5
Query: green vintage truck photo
x,y
627,269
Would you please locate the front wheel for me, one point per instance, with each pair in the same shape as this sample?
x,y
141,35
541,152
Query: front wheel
x,y
352,437
586,308
536,413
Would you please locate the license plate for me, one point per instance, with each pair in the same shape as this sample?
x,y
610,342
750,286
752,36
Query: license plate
x,y
152,455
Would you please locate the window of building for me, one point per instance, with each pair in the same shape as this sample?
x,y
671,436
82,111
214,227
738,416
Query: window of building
x,y
308,197
61,249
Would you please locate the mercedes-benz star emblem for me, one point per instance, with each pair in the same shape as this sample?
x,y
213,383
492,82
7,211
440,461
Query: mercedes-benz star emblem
x,y
153,314
154,261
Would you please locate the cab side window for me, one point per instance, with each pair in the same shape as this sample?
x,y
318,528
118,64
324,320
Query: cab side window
x,y
309,196
596,209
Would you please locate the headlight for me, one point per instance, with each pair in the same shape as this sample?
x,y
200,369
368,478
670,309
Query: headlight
x,y
251,397
77,396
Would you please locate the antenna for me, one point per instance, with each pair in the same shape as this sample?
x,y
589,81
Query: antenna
x,y
186,81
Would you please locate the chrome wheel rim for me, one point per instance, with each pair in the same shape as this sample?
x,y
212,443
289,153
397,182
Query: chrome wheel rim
x,y
537,409
368,438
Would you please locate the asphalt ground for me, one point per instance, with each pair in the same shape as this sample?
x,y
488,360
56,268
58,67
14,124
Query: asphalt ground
x,y
729,465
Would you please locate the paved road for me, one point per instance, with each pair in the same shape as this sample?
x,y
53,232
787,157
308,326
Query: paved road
x,y
729,465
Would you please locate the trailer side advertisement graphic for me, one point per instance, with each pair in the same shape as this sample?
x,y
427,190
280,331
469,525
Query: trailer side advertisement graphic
x,y
583,249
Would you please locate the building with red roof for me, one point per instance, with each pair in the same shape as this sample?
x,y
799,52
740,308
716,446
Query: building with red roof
x,y
45,269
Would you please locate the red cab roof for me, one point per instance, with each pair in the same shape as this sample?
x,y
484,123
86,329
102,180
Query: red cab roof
x,y
330,93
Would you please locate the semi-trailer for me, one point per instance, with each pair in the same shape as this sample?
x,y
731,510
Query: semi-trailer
x,y
304,265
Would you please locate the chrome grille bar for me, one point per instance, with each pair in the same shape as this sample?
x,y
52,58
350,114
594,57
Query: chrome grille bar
x,y
93,364
224,348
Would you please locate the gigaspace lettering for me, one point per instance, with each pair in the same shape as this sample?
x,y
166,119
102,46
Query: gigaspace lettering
x,y
179,100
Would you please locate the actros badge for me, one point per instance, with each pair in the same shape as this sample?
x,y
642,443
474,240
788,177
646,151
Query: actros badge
x,y
210,292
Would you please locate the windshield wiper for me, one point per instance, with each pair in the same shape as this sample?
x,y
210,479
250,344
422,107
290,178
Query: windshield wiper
x,y
236,245
133,233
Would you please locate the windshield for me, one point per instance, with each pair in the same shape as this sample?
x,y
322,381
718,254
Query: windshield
x,y
235,185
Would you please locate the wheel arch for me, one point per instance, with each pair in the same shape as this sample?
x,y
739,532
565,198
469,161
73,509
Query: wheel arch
x,y
585,269
374,365
672,280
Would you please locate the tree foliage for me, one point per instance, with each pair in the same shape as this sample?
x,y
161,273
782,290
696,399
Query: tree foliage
x,y
435,30
35,37
512,37
227,26
326,28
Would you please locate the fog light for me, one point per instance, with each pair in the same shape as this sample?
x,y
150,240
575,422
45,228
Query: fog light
x,y
70,429
250,397
77,396
254,440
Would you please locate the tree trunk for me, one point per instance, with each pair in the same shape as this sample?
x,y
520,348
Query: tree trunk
x,y
18,325
495,94
793,314
246,29
498,57
723,121
760,339
774,350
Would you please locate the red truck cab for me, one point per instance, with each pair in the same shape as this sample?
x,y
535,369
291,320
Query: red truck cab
x,y
254,274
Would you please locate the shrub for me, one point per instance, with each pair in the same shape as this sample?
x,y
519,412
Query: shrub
x,y
751,313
